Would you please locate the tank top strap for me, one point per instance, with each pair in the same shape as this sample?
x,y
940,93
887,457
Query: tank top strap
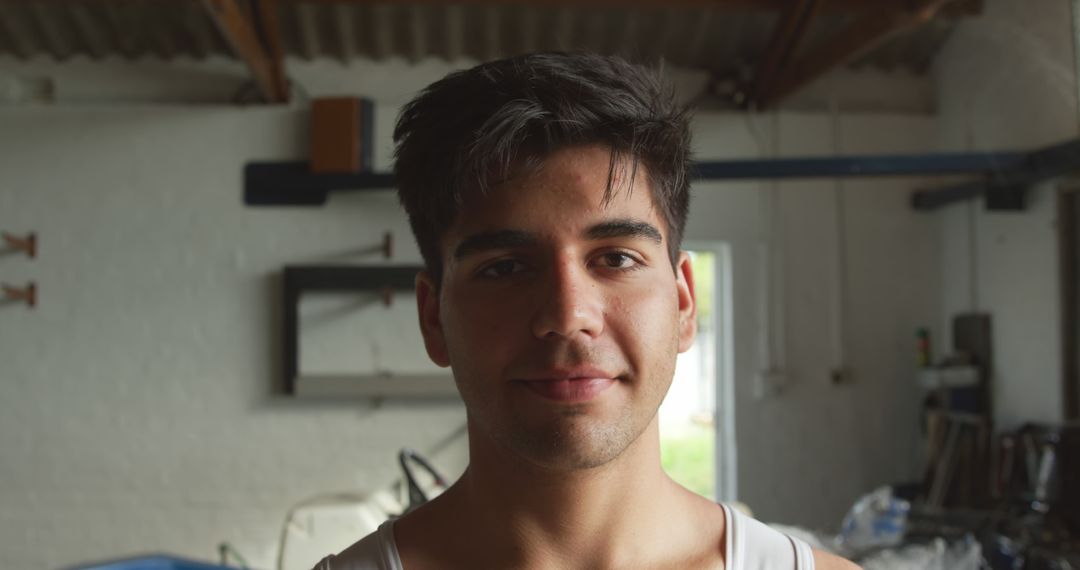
x,y
804,555
752,545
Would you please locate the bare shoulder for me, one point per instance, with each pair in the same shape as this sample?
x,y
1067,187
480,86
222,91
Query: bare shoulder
x,y
826,561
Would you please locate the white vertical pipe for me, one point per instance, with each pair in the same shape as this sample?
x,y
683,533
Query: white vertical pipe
x,y
770,312
839,329
777,304
1076,51
839,297
763,342
973,253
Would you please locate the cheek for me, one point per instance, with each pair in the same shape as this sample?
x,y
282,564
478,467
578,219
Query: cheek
x,y
644,316
477,322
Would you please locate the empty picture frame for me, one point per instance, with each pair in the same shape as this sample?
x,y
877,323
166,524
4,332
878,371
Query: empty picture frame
x,y
300,280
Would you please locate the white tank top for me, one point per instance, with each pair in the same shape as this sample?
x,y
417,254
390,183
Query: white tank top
x,y
748,545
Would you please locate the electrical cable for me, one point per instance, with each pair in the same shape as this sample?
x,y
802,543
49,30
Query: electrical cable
x,y
225,550
324,499
342,498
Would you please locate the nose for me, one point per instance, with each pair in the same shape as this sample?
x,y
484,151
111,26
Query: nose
x,y
570,303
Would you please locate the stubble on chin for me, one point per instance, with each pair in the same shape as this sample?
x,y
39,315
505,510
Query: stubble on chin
x,y
572,440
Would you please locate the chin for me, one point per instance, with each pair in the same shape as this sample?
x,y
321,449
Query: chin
x,y
573,446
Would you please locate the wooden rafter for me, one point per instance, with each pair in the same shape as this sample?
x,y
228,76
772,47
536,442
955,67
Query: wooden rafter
x,y
833,6
265,14
346,30
253,37
861,35
787,35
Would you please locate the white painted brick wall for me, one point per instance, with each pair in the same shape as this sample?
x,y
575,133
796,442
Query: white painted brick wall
x,y
138,405
1007,80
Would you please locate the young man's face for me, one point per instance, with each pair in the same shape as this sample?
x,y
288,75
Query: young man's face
x,y
560,314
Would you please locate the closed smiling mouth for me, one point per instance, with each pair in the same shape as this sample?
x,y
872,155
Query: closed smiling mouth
x,y
569,385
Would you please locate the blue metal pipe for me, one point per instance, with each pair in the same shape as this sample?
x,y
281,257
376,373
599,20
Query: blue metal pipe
x,y
882,165
293,183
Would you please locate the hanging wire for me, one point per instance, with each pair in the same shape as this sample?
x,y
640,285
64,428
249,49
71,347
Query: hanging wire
x,y
226,550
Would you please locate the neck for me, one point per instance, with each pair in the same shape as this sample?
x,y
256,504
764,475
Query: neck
x,y
577,515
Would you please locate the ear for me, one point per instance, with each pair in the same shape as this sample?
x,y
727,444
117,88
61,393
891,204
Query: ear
x,y
684,283
427,304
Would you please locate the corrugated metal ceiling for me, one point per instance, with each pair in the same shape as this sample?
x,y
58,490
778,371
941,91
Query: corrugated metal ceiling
x,y
697,36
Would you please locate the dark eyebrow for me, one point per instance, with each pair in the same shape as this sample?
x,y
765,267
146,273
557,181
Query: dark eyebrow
x,y
501,239
625,228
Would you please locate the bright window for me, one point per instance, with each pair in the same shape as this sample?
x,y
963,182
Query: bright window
x,y
688,429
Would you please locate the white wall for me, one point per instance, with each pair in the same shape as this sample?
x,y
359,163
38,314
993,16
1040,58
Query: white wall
x,y
1007,80
137,403
807,453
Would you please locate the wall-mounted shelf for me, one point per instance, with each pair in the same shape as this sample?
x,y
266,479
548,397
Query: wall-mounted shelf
x,y
298,280
1005,188
1002,177
945,377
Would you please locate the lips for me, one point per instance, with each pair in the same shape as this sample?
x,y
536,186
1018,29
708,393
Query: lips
x,y
569,386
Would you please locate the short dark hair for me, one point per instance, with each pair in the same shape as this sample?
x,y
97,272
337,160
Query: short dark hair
x,y
475,128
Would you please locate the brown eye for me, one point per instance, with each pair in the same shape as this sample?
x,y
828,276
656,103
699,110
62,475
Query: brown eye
x,y
618,261
502,268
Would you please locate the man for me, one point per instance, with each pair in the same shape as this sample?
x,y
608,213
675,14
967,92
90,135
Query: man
x,y
548,194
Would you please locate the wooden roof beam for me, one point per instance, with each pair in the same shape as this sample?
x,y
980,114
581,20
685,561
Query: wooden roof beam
x,y
89,29
54,38
306,24
787,35
849,6
254,39
21,40
346,29
861,35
